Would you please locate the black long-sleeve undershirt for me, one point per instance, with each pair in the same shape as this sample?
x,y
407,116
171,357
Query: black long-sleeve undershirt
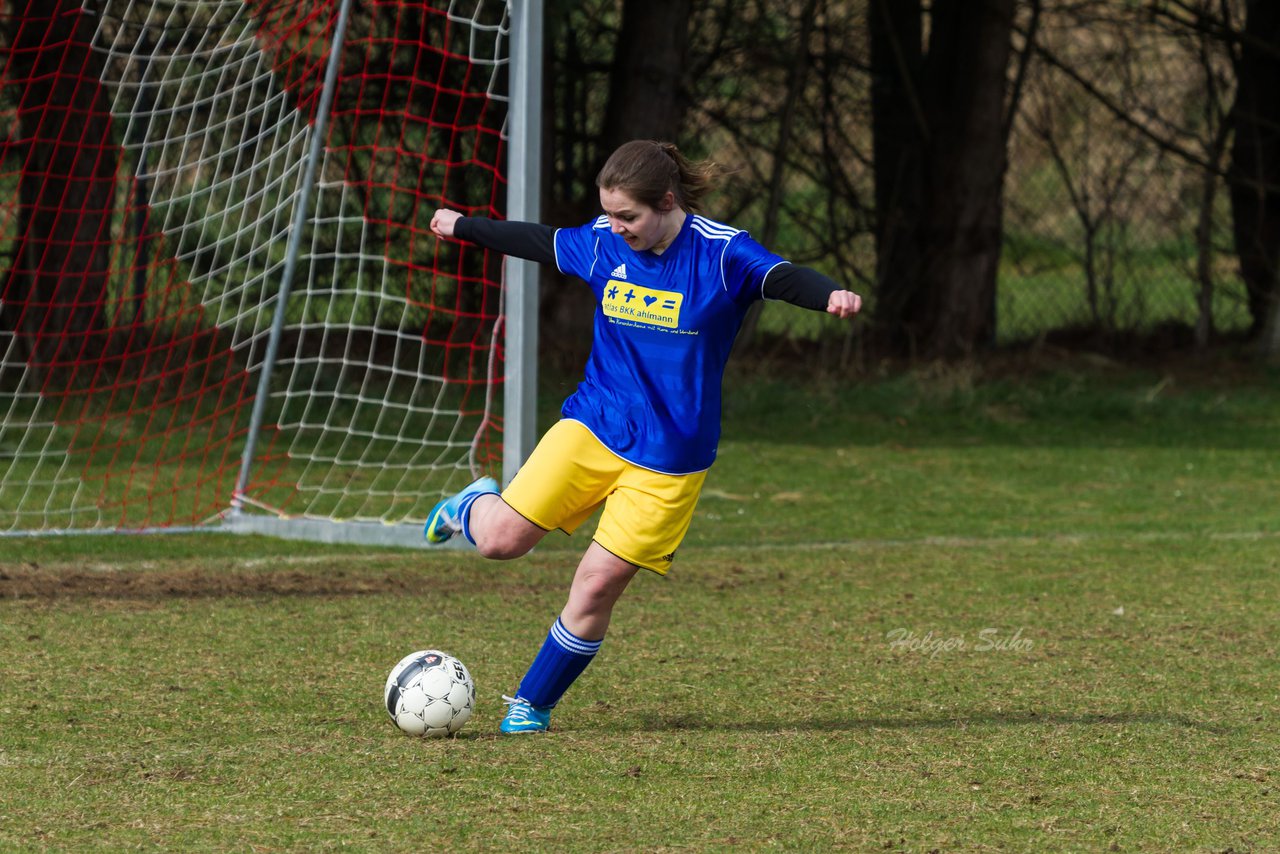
x,y
531,241
801,286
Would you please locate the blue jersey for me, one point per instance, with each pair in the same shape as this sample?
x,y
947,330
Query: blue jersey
x,y
664,326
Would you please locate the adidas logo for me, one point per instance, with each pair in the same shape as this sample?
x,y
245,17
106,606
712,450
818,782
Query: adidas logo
x,y
620,272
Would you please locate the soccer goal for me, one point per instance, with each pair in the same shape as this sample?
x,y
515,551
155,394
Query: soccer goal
x,y
222,306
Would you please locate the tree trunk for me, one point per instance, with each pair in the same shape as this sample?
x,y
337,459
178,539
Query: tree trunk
x,y
936,294
646,101
1204,240
900,132
645,98
1254,174
55,293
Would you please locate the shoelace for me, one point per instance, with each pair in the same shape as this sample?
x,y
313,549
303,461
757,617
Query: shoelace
x,y
448,520
515,705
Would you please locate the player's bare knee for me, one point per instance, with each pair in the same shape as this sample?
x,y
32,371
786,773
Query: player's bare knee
x,y
498,547
503,542
598,590
500,533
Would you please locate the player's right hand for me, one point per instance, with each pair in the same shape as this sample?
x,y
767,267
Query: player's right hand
x,y
443,221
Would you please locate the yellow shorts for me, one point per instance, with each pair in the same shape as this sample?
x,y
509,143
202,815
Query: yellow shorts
x,y
570,474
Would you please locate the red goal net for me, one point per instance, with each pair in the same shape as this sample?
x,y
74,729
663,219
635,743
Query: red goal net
x,y
152,164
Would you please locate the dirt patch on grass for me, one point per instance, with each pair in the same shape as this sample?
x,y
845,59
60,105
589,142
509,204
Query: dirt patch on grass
x,y
67,582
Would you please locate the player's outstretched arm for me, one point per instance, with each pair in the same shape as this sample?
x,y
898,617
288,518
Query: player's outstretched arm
x,y
530,240
807,288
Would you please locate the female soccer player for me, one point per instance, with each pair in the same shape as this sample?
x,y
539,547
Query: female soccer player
x,y
640,432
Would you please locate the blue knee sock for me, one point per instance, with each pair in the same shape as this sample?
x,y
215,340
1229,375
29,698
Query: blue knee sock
x,y
464,514
561,660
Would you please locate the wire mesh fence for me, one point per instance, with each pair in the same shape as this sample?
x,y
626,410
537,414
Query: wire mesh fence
x,y
1116,220
1116,215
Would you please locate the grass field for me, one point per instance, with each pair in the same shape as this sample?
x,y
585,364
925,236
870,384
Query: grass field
x,y
944,610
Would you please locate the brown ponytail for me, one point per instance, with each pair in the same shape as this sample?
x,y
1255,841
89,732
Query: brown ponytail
x,y
646,170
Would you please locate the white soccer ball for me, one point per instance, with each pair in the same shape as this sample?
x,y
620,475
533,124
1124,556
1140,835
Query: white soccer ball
x,y
430,693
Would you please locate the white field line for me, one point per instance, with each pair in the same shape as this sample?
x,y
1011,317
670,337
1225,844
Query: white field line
x,y
1015,539
863,545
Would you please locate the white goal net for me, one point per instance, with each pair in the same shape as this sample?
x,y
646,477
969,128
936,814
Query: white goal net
x,y
222,303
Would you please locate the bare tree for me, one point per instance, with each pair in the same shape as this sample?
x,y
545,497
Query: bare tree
x,y
797,79
778,93
1097,179
1233,44
1209,51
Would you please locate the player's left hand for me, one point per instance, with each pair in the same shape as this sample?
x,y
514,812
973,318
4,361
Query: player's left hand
x,y
844,304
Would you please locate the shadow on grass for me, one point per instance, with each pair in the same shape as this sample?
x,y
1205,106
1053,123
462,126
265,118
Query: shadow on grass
x,y
958,721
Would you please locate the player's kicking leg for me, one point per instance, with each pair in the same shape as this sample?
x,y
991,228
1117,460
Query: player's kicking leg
x,y
485,520
573,641
450,516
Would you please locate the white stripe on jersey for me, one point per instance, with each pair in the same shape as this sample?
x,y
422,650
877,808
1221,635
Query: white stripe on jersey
x,y
712,229
602,221
595,259
555,246
765,280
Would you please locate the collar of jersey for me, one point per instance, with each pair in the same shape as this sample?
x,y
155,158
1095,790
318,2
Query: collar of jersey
x,y
684,227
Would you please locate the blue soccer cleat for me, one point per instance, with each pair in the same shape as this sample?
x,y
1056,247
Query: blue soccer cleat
x,y
445,518
523,717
